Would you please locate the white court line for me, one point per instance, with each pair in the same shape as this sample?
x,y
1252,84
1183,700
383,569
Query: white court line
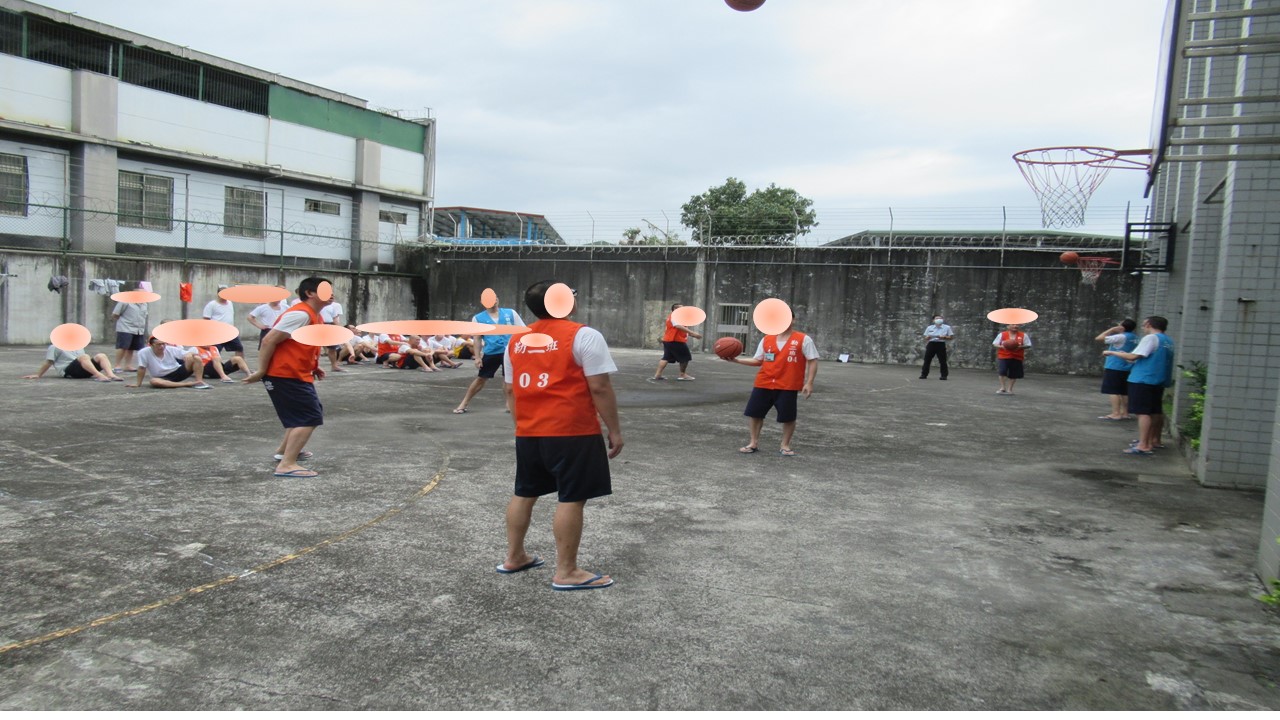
x,y
54,461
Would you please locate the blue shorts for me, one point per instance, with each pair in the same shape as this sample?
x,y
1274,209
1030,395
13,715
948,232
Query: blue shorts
x,y
1146,399
296,401
129,341
490,365
762,400
577,467
1010,368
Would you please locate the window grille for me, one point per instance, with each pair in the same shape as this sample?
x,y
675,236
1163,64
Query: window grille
x,y
10,33
245,213
146,201
159,71
322,206
13,185
238,92
69,47
391,216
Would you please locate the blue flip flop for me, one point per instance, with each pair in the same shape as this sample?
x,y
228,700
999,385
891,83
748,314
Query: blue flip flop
x,y
584,585
535,562
304,473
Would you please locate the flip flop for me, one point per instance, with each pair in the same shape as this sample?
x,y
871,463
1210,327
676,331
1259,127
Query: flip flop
x,y
1108,418
747,450
685,379
584,585
787,453
459,411
1136,451
102,379
117,379
298,474
535,562
227,380
303,455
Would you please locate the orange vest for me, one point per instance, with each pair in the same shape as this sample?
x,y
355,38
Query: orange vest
x,y
551,394
674,335
392,345
291,358
786,370
207,354
1003,354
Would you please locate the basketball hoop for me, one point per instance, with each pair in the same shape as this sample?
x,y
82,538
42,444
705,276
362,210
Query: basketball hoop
x,y
1064,178
1091,268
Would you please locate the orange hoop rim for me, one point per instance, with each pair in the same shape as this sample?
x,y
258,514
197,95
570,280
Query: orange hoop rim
x,y
1094,156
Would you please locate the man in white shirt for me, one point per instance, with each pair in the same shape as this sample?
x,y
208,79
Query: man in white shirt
x,y
131,332
170,366
223,311
76,365
331,314
441,347
264,316
936,337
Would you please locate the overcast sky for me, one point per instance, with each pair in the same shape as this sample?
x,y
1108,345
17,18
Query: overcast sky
x,y
603,113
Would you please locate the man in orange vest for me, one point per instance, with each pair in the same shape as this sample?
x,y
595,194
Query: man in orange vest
x,y
675,348
788,364
1011,350
288,370
559,394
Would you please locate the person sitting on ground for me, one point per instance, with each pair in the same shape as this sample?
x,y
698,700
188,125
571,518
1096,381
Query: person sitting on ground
x,y
355,350
76,365
211,358
441,347
419,352
170,366
389,355
464,347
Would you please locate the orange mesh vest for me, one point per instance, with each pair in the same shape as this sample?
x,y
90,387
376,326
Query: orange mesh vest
x,y
672,334
392,344
1003,354
786,370
207,353
551,394
292,359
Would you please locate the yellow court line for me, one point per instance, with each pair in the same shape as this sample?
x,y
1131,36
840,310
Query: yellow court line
x,y
192,592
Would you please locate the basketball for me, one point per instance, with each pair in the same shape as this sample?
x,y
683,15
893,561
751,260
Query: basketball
x,y
744,5
728,347
1011,344
1069,257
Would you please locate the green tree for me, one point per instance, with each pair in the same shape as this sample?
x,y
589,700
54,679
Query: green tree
x,y
727,215
633,236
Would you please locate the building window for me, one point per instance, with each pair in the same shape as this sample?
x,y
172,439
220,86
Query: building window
x,y
391,216
245,213
322,206
13,185
146,201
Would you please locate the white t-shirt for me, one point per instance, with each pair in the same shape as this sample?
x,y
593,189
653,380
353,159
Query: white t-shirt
x,y
437,345
220,311
292,320
807,348
61,359
590,352
329,312
1147,345
168,361
266,314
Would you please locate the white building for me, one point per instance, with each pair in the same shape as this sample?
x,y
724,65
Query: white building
x,y
116,144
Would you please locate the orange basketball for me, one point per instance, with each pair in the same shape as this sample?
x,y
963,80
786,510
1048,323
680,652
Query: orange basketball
x,y
1069,257
1011,344
728,347
744,5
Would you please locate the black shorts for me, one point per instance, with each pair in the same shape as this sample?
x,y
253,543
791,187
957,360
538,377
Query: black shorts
x,y
1146,399
178,375
762,399
296,401
129,341
234,345
262,334
676,352
1115,382
76,372
229,367
1010,368
490,365
577,467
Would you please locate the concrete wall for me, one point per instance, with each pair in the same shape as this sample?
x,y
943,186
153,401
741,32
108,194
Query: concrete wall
x,y
29,310
871,304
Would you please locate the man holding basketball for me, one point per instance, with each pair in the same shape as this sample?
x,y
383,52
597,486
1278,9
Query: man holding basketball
x,y
675,348
1011,351
788,364
559,393
1152,372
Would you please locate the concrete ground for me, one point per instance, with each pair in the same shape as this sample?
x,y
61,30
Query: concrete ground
x,y
933,546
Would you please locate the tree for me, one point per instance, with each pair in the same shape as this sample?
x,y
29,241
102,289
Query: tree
x,y
727,215
632,236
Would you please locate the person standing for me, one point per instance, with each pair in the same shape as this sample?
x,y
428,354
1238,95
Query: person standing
x,y
936,337
1010,358
675,348
559,394
489,351
131,333
222,310
1152,372
1115,370
264,316
288,370
788,364
332,315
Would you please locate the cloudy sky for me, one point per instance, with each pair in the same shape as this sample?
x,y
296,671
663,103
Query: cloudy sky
x,y
602,114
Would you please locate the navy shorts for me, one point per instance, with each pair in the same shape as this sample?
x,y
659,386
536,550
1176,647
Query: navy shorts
x,y
762,399
261,335
129,341
577,467
490,365
676,352
76,372
296,401
1146,399
1115,382
1010,368
234,345
178,375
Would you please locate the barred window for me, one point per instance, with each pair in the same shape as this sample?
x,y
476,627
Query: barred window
x,y
13,185
146,201
391,216
245,213
322,206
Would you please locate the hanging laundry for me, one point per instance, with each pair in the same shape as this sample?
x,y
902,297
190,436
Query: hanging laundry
x,y
57,282
144,285
184,292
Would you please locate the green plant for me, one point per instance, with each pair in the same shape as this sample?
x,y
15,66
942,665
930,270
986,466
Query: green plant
x,y
1272,598
1198,374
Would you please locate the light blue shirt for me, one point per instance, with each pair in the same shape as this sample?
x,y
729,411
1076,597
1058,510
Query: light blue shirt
x,y
1124,342
938,333
1155,367
497,344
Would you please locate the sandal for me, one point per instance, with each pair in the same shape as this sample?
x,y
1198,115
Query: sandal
x,y
748,449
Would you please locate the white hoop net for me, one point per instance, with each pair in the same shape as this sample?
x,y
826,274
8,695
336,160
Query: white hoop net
x,y
1063,179
1091,269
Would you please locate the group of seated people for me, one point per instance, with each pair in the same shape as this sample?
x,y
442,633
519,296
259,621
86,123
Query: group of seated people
x,y
429,353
